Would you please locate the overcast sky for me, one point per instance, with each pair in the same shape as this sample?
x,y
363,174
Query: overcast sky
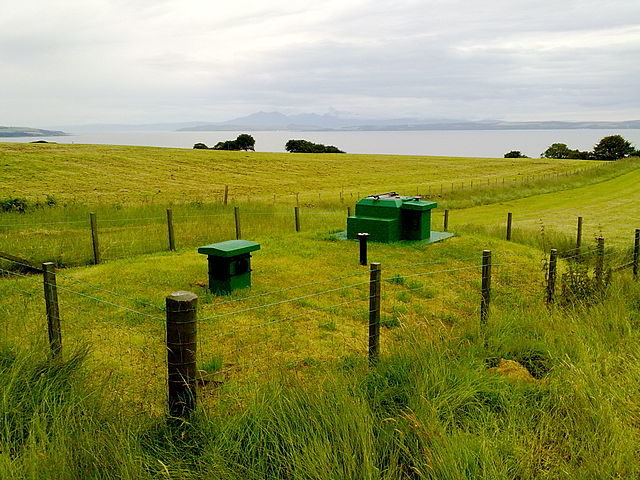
x,y
132,61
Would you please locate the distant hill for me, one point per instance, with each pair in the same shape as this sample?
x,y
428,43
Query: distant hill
x,y
28,132
327,122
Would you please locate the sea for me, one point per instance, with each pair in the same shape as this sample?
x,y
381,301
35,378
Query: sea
x,y
450,143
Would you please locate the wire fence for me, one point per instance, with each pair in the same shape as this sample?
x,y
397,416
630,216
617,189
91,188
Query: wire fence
x,y
70,242
324,320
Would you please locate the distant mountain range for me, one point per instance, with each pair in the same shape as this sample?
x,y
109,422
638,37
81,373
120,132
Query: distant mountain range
x,y
273,121
28,132
315,122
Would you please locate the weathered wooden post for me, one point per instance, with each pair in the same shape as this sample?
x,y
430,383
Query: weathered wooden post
x,y
551,275
362,238
172,239
226,195
579,237
53,311
296,213
599,270
236,216
509,219
636,253
374,313
486,287
348,211
445,227
181,352
94,238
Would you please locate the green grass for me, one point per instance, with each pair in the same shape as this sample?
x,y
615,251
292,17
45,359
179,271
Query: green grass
x,y
288,393
116,175
61,234
608,208
431,409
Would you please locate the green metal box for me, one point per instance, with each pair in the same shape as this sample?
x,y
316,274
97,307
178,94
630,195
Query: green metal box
x,y
229,265
390,218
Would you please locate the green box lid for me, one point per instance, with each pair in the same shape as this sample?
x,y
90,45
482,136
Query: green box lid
x,y
418,205
230,248
382,202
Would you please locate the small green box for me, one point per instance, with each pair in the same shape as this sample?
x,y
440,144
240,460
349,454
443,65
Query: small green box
x,y
229,265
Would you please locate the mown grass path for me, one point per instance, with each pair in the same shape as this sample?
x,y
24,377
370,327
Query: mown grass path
x,y
609,208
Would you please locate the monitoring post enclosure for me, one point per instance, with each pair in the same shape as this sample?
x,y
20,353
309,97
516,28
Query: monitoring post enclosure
x,y
389,217
229,265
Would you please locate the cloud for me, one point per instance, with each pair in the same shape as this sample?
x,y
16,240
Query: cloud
x,y
100,60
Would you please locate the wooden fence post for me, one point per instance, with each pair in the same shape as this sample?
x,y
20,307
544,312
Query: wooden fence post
x,y
551,275
53,311
486,287
296,212
445,227
362,238
509,220
181,352
172,238
226,195
94,238
236,216
348,211
636,252
374,313
579,237
599,270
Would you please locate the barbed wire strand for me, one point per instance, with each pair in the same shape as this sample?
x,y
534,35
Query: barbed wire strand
x,y
283,319
302,297
209,305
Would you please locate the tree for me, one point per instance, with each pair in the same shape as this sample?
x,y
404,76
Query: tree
x,y
305,146
613,147
514,154
243,142
557,150
200,146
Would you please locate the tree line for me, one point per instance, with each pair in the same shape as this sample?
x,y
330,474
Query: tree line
x,y
246,142
612,147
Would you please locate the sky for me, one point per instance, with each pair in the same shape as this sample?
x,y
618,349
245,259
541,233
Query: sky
x,y
143,61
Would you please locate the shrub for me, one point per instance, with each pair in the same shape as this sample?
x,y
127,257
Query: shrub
x,y
514,154
304,146
242,142
14,204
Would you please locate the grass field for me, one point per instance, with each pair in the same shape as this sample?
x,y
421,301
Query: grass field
x,y
91,174
286,391
290,395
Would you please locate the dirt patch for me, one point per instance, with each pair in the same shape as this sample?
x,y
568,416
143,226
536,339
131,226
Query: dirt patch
x,y
513,370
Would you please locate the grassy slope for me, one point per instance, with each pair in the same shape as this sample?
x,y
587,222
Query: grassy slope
x,y
609,208
114,174
297,401
284,261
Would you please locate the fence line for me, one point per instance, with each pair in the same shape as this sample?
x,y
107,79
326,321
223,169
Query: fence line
x,y
374,296
515,178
